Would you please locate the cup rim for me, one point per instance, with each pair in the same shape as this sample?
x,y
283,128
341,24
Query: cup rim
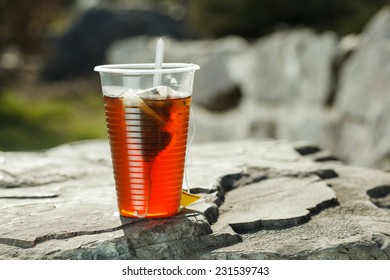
x,y
146,68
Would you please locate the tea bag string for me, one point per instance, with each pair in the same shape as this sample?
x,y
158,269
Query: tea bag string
x,y
192,114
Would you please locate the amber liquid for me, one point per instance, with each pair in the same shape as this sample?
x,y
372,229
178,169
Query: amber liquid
x,y
148,148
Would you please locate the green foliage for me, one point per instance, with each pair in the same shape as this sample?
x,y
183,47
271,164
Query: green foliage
x,y
41,122
25,22
253,18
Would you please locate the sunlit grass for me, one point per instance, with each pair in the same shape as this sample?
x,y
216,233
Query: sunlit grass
x,y
42,121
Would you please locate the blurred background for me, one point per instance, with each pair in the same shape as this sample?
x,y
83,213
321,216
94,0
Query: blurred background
x,y
50,95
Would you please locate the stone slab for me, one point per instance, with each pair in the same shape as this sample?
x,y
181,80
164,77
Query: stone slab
x,y
260,200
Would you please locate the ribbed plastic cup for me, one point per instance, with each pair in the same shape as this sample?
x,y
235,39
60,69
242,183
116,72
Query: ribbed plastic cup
x,y
147,128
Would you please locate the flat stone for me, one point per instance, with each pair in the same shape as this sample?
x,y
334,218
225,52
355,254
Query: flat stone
x,y
276,203
260,200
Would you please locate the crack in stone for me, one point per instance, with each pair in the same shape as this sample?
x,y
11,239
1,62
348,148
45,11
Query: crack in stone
x,y
307,150
380,196
326,158
273,224
26,244
14,181
42,196
254,175
323,205
37,181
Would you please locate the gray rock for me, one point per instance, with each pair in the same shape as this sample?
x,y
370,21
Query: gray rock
x,y
368,66
260,200
288,67
378,28
313,123
364,105
83,46
229,125
215,90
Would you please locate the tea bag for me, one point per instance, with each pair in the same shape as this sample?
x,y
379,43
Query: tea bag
x,y
158,92
133,99
154,113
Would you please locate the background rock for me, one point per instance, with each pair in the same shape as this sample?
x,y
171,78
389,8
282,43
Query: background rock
x,y
378,27
364,105
288,68
84,45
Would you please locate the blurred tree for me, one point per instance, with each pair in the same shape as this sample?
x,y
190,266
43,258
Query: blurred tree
x,y
253,18
23,23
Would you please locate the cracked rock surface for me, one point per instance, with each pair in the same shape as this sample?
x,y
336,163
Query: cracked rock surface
x,y
260,200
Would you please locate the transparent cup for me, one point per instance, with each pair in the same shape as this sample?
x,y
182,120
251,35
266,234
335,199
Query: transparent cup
x,y
147,115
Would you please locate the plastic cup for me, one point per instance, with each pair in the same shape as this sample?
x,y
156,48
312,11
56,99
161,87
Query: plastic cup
x,y
147,128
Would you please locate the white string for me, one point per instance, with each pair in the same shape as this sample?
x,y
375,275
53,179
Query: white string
x,y
192,114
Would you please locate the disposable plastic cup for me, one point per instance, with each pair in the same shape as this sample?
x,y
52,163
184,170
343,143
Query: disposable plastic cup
x,y
147,126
